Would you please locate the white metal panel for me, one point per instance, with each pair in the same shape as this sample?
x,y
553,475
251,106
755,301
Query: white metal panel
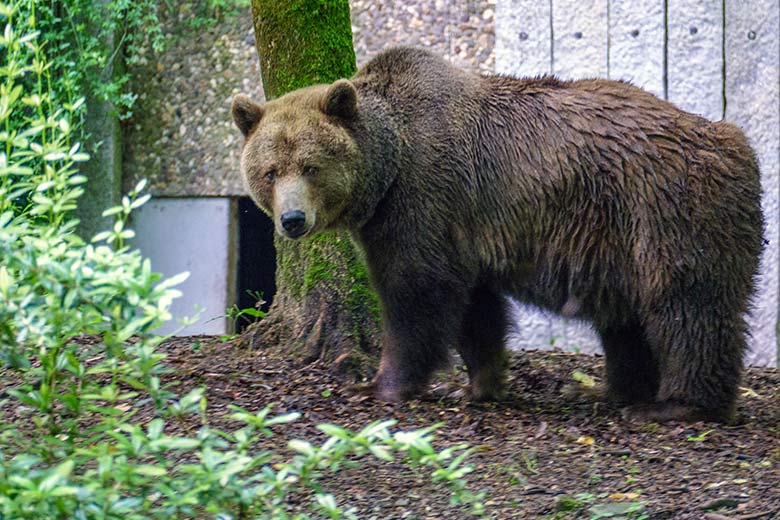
x,y
192,235
636,43
753,103
695,56
523,39
579,38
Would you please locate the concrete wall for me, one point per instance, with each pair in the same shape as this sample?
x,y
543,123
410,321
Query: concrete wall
x,y
196,235
707,61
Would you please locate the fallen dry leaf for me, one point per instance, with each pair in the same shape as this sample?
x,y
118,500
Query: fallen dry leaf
x,y
586,440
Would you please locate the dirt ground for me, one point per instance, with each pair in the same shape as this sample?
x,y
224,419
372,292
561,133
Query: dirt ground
x,y
544,452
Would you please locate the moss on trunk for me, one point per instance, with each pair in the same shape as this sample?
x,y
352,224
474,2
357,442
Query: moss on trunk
x,y
323,307
302,42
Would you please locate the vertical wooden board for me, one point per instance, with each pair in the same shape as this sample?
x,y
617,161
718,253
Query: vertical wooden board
x,y
579,38
753,103
636,43
523,39
695,56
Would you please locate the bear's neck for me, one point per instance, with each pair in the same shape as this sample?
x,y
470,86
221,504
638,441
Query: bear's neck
x,y
378,140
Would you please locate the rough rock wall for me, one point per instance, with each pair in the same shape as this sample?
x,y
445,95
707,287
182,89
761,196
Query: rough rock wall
x,y
460,30
181,136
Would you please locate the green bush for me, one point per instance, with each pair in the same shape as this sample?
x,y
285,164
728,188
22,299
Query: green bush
x,y
80,453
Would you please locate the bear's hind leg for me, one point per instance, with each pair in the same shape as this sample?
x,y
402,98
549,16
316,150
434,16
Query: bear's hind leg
x,y
631,369
481,344
700,344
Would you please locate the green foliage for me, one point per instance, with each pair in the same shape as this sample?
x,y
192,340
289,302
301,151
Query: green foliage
x,y
80,361
86,43
205,14
245,316
227,6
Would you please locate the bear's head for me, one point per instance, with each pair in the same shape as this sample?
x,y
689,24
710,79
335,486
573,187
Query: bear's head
x,y
299,161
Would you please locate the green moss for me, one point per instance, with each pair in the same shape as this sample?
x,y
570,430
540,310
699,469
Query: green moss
x,y
317,43
320,266
360,297
289,272
333,260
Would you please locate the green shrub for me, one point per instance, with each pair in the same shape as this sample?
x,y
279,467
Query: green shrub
x,y
80,452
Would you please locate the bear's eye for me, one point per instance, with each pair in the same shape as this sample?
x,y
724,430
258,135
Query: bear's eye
x,y
270,175
310,171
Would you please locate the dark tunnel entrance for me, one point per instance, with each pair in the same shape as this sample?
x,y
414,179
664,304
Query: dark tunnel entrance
x,y
256,258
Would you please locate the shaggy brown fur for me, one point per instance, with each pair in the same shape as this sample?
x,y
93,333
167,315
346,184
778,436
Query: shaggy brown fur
x,y
592,198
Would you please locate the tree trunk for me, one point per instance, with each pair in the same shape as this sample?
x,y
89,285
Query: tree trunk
x,y
323,308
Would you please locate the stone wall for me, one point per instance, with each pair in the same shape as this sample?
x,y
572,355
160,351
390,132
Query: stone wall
x,y
181,136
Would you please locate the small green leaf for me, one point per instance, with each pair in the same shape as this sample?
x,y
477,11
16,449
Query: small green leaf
x,y
283,419
150,470
54,156
5,280
140,201
701,437
381,452
113,211
302,447
583,379
331,430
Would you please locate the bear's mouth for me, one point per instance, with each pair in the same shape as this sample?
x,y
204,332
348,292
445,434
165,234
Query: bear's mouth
x,y
295,234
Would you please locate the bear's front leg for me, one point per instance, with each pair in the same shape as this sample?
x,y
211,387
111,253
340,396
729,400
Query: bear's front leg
x,y
481,344
422,314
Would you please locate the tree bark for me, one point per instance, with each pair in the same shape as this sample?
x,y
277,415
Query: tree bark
x,y
323,308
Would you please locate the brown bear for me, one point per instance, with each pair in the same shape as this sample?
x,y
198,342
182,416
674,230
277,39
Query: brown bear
x,y
590,197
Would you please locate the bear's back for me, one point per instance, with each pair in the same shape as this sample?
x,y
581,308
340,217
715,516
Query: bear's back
x,y
594,175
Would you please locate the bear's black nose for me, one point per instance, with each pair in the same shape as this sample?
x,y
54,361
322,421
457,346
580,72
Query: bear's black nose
x,y
294,222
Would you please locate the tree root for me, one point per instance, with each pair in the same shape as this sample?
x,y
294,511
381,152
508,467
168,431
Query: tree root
x,y
320,330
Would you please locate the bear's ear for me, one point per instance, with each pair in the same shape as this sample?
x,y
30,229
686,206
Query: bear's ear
x,y
340,100
246,113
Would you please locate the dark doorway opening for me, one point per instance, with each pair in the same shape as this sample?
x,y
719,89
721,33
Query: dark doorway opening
x,y
256,259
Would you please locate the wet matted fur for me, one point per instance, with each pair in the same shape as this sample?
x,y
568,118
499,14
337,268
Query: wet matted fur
x,y
591,198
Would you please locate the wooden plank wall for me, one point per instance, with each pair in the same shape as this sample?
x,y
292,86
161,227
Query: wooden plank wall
x,y
716,58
